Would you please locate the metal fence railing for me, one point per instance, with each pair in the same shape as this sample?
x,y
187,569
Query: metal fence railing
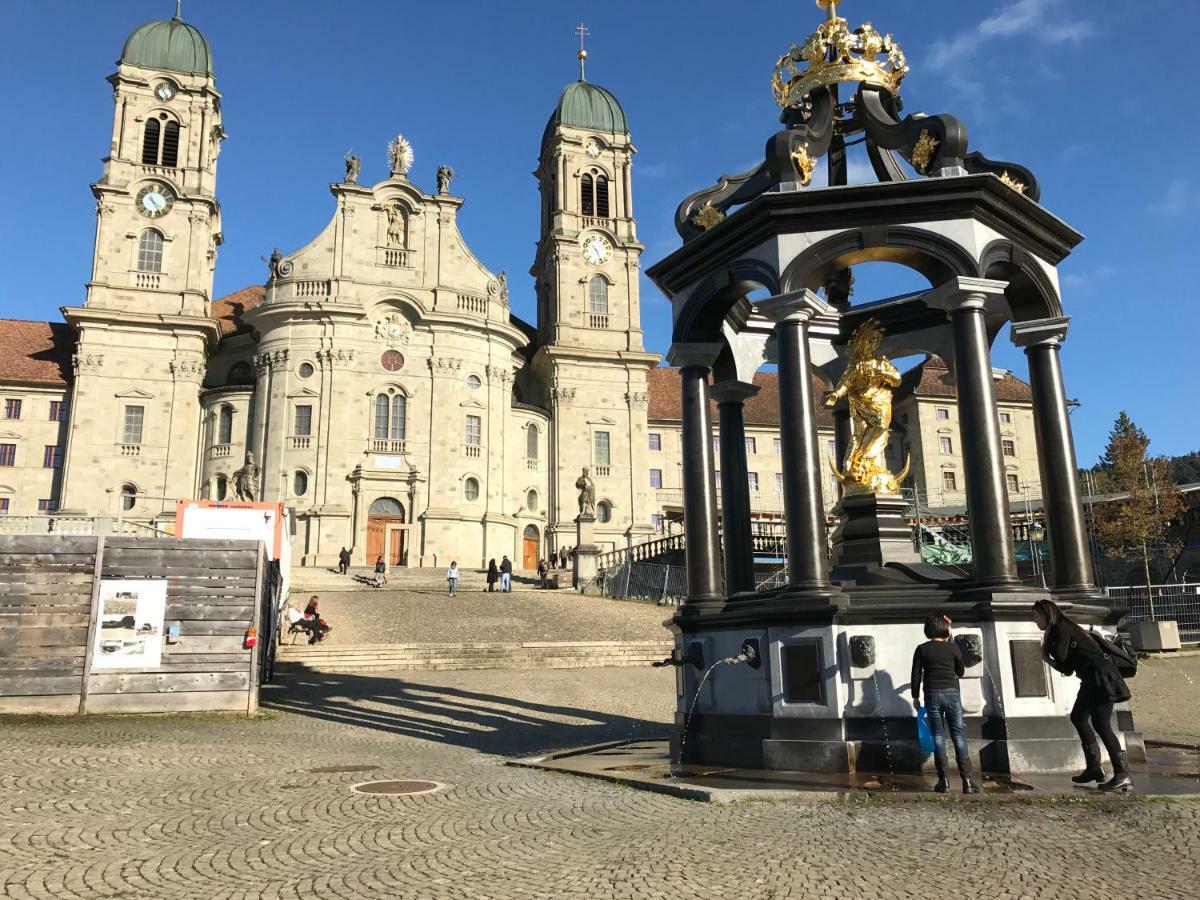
x,y
1179,603
650,582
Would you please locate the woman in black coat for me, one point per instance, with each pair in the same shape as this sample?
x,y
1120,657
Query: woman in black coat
x,y
493,575
1072,651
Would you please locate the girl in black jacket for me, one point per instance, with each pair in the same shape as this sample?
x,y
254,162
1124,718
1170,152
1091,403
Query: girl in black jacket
x,y
1072,651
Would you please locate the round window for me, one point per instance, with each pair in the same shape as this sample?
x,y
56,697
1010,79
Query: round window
x,y
603,511
306,370
300,484
392,360
471,489
473,382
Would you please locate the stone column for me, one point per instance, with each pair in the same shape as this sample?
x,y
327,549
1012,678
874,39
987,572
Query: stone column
x,y
699,486
964,300
735,489
842,431
1056,455
808,563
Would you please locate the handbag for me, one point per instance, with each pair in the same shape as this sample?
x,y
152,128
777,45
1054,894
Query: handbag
x,y
1117,652
924,732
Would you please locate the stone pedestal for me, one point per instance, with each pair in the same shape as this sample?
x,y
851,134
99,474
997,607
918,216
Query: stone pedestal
x,y
586,552
872,531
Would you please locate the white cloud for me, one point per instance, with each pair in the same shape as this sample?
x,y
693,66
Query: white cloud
x,y
1041,20
1178,199
1086,281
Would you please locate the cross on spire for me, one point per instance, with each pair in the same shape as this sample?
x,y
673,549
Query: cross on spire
x,y
179,9
582,31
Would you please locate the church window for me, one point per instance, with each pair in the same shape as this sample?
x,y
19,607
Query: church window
x,y
225,425
474,430
52,457
399,423
603,512
303,422
949,481
160,142
131,425
945,445
1014,485
47,507
306,370
655,441
128,497
12,409
8,454
602,196
598,296
531,442
150,140
382,416
150,251
531,501
58,411
1008,447
392,361
473,382
222,487
603,444
471,489
656,478
300,483
170,145
587,195
240,373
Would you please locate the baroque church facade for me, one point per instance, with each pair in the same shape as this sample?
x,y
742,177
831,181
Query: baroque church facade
x,y
378,383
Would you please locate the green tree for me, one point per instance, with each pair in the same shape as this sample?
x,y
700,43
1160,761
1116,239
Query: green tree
x,y
1137,522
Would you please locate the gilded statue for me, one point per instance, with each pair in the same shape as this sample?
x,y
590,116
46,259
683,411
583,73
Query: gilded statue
x,y
867,383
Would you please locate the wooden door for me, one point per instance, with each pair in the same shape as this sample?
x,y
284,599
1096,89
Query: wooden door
x,y
530,555
397,548
377,541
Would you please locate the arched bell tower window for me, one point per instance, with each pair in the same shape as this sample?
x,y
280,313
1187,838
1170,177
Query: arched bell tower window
x,y
598,296
593,200
160,142
150,251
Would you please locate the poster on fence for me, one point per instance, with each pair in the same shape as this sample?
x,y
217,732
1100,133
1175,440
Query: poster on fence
x,y
129,625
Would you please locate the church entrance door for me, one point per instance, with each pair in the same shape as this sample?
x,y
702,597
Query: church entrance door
x,y
384,512
529,556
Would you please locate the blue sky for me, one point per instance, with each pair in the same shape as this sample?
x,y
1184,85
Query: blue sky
x,y
1070,88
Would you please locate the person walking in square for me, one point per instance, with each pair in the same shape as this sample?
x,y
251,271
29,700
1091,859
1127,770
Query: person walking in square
x,y
562,557
452,577
542,569
380,573
938,663
493,575
1072,651
506,575
344,561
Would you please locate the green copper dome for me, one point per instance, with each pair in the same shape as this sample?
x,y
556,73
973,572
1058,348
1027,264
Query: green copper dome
x,y
586,105
170,44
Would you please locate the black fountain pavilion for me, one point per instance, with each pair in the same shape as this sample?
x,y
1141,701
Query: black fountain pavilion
x,y
818,671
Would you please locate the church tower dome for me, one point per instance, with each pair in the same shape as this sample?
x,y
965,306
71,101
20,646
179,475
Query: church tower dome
x,y
168,44
588,106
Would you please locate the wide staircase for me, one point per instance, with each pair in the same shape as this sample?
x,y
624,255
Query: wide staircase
x,y
484,655
315,579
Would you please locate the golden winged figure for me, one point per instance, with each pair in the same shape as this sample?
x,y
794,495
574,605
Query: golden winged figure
x,y
867,383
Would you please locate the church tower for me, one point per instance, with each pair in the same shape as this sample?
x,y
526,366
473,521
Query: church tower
x,y
145,327
590,355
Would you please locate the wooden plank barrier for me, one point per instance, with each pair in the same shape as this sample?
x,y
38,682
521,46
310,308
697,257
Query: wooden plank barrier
x,y
49,610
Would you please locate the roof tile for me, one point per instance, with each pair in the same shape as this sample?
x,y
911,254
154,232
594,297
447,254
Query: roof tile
x,y
36,352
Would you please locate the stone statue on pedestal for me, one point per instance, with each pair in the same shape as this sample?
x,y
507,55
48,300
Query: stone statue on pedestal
x,y
353,166
587,494
245,479
444,176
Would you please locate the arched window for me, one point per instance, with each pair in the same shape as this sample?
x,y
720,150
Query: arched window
x,y
382,410
386,506
150,251
150,139
128,497
240,373
531,501
603,511
531,442
300,483
225,425
598,296
170,146
587,198
602,196
471,489
222,487
399,417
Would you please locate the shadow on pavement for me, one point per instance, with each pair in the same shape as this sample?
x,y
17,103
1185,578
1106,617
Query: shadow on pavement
x,y
489,723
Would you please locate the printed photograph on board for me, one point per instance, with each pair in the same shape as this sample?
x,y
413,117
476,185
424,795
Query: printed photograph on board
x,y
129,627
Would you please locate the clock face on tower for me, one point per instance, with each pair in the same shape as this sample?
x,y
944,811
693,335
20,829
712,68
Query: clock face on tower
x,y
154,200
593,148
164,91
597,249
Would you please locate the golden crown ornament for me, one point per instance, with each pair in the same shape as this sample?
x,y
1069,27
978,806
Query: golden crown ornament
x,y
834,54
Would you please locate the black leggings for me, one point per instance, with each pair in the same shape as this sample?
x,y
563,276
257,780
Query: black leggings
x,y
1092,716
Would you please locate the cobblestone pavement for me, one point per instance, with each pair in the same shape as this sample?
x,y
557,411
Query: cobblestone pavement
x,y
208,807
387,617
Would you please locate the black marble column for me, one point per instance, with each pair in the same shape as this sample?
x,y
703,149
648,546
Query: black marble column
x,y
842,431
699,481
1056,455
808,563
731,397
979,423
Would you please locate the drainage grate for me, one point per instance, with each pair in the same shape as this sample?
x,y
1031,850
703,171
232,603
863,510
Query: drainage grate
x,y
340,770
396,787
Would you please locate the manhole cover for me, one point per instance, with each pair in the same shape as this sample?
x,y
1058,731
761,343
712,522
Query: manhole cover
x,y
339,770
396,787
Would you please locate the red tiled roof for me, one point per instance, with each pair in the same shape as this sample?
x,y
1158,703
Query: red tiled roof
x,y
230,308
666,398
36,352
933,379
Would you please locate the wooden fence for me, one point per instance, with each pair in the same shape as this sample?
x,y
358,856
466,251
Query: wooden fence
x,y
50,599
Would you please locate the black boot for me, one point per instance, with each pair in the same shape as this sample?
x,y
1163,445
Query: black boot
x,y
1120,782
1092,771
968,780
942,785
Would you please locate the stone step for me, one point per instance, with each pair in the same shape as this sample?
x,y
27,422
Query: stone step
x,y
490,655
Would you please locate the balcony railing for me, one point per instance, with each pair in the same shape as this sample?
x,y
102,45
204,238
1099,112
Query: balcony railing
x,y
164,171
148,280
131,449
299,443
310,289
394,257
597,320
531,465
597,222
472,451
602,471
217,451
472,304
379,445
